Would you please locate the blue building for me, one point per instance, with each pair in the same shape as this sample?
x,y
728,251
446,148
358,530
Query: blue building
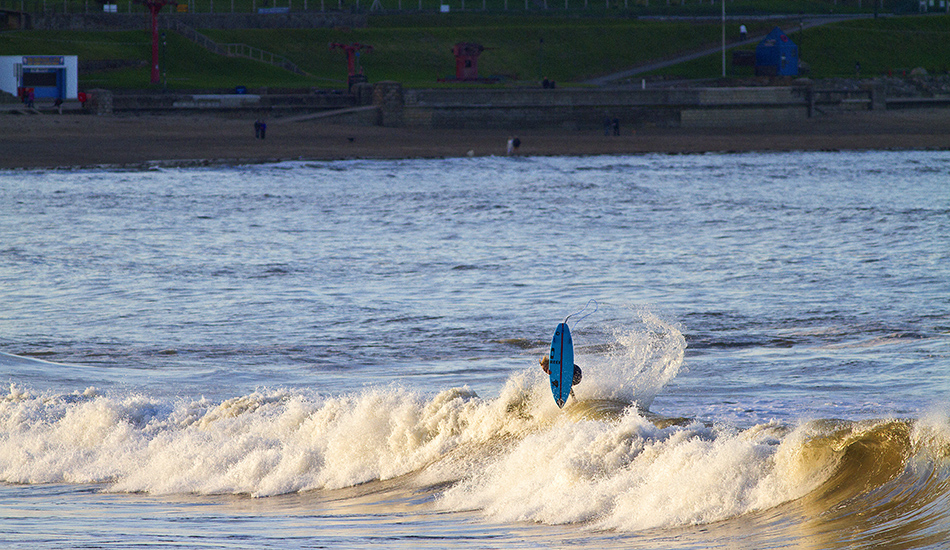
x,y
49,76
776,55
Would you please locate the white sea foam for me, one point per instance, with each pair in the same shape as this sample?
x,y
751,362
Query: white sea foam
x,y
632,475
279,441
603,461
517,456
262,444
642,358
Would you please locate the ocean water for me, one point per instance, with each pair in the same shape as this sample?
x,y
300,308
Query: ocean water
x,y
345,354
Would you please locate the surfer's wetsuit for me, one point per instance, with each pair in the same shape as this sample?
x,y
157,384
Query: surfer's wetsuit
x,y
577,370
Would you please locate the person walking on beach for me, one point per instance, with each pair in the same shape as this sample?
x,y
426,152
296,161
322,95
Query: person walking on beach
x,y
263,128
257,129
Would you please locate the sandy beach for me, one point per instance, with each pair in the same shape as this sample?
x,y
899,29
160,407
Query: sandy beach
x,y
60,141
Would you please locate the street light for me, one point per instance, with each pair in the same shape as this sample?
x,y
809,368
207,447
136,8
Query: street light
x,y
164,64
724,38
541,59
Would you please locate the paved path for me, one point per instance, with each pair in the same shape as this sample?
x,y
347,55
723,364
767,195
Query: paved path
x,y
808,22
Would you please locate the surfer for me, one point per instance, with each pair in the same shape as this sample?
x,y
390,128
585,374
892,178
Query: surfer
x,y
577,370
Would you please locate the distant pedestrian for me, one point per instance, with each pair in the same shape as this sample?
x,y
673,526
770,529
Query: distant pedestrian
x,y
516,142
30,98
263,129
257,129
616,125
510,148
743,32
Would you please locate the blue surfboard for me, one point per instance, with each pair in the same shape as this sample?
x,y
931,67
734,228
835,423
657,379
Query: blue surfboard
x,y
561,364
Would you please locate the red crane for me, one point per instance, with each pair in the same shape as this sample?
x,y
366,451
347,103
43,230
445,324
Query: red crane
x,y
155,6
352,53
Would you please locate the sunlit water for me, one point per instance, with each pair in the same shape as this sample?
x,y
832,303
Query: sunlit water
x,y
344,354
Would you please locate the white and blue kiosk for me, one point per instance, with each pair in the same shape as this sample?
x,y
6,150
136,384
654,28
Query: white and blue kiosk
x,y
50,76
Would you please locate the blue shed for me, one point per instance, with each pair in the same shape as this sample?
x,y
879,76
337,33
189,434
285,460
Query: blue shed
x,y
776,55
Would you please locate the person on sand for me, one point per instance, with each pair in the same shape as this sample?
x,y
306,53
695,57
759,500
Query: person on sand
x,y
545,366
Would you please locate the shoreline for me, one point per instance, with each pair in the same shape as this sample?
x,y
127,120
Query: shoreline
x,y
113,142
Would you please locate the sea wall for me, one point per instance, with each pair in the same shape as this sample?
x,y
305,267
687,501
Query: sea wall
x,y
582,108
389,104
249,104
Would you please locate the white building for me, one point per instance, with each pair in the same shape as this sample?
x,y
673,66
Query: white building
x,y
50,76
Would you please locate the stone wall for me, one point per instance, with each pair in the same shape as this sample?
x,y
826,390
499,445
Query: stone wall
x,y
100,102
389,104
583,108
390,99
272,104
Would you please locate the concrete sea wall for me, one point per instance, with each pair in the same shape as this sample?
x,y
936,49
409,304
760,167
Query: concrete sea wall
x,y
389,104
588,108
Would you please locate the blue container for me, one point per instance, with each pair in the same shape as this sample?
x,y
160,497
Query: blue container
x,y
776,55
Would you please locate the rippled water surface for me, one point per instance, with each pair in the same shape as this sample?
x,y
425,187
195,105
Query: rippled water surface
x,y
345,354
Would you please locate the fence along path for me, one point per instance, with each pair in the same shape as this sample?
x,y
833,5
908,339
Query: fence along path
x,y
233,50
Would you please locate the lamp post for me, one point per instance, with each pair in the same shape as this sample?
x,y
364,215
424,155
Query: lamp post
x,y
541,59
723,38
164,63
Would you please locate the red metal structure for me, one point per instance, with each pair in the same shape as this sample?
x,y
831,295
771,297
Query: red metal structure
x,y
155,6
466,60
352,52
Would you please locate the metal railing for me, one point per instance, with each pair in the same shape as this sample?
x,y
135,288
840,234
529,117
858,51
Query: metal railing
x,y
233,50
257,54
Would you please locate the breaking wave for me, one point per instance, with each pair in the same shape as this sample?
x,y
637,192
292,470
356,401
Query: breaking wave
x,y
604,462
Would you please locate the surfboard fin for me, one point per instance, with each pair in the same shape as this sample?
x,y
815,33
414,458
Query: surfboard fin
x,y
560,403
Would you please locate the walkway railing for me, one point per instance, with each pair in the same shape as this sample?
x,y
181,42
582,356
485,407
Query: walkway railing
x,y
233,50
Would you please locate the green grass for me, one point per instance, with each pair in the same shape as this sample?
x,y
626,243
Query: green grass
x,y
883,46
93,45
188,66
572,49
417,50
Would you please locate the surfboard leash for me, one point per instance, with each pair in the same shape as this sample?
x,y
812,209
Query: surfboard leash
x,y
589,302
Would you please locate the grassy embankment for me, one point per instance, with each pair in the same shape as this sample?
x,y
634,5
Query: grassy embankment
x,y
416,50
892,45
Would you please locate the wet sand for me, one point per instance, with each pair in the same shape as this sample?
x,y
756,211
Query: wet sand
x,y
60,141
